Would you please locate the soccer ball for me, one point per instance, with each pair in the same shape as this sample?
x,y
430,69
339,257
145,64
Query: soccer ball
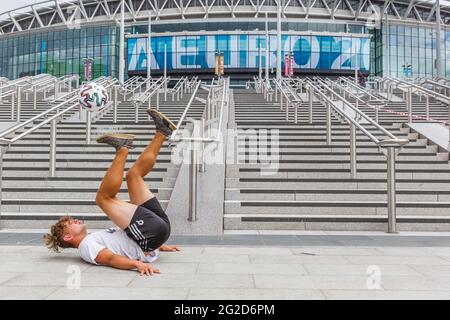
x,y
93,97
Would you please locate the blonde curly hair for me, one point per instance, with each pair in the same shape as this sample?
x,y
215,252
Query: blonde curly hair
x,y
55,239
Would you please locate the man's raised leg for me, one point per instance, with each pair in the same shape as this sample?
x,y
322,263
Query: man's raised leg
x,y
138,191
120,212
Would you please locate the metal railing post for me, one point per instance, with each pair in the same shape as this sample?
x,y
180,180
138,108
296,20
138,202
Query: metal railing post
x,y
3,149
391,191
12,105
202,146
310,113
296,113
52,156
136,112
115,104
409,104
377,109
56,89
88,127
193,186
34,97
19,103
353,163
165,89
157,99
281,100
329,140
428,107
287,109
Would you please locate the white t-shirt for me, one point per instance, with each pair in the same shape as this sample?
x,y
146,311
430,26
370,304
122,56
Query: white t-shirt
x,y
117,241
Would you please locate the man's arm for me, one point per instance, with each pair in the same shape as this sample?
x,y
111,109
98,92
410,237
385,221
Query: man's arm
x,y
108,258
169,248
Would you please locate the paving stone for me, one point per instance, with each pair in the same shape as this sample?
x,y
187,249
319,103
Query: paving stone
x,y
27,293
250,268
62,280
120,294
358,270
398,260
311,282
194,281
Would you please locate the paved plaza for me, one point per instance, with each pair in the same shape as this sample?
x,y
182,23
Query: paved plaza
x,y
259,266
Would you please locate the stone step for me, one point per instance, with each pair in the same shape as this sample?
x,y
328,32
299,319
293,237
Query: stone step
x,y
311,195
361,156
71,193
63,173
264,148
362,174
74,182
333,222
336,207
343,183
69,206
344,165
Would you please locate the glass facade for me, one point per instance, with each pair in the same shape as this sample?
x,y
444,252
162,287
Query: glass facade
x,y
411,51
190,45
243,51
60,52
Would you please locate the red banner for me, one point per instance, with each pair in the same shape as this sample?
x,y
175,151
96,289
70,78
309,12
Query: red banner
x,y
286,65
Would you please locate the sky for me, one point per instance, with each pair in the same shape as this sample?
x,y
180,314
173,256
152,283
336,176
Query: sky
x,y
6,5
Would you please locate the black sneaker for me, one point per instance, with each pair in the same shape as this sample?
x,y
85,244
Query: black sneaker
x,y
117,140
162,123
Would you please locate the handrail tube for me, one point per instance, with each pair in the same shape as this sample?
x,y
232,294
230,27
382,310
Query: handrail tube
x,y
20,125
225,97
186,110
351,83
342,113
428,91
153,85
39,125
362,114
350,93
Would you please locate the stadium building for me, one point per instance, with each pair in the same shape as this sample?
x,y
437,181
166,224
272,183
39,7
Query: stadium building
x,y
323,36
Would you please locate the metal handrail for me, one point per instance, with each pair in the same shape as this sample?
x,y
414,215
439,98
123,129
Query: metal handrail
x,y
360,113
144,96
389,144
362,89
138,87
148,94
188,106
179,88
42,114
5,143
358,100
434,83
431,93
342,88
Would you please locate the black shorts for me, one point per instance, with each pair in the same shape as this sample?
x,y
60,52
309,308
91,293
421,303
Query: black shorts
x,y
150,226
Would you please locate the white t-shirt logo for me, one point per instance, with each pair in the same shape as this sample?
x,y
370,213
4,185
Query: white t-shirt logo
x,y
140,222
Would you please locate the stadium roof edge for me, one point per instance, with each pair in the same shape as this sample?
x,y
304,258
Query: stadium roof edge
x,y
71,12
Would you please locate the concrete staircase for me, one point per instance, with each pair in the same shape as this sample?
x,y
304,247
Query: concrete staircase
x,y
312,190
32,199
